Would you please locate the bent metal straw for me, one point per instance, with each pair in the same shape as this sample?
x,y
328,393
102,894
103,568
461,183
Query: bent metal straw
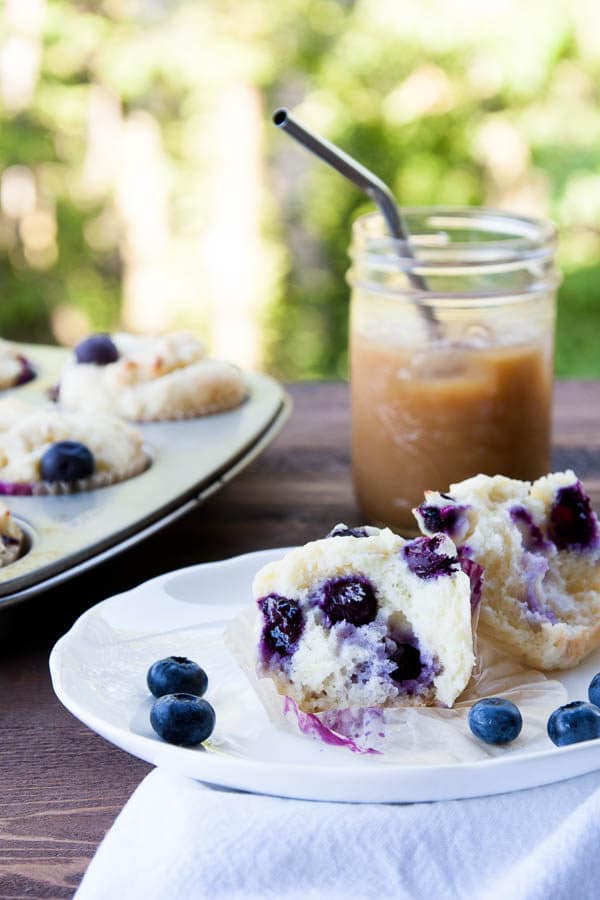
x,y
364,179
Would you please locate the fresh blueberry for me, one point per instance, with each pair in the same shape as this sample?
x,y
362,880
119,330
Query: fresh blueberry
x,y
423,559
182,719
343,531
67,461
572,523
408,663
594,690
176,675
575,722
443,518
98,349
350,598
495,720
283,624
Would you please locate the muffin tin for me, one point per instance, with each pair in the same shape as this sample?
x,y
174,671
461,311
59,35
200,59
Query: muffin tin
x,y
191,460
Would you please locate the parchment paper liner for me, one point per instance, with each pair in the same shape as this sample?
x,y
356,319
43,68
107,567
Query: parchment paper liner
x,y
97,480
170,415
412,735
211,409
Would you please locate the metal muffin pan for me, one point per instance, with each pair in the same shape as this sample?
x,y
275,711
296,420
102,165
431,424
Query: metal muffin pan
x,y
191,460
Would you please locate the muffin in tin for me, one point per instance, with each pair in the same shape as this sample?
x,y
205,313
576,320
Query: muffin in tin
x,y
148,379
11,537
48,451
15,369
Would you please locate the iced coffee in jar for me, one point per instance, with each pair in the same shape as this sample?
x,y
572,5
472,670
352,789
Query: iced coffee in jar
x,y
451,354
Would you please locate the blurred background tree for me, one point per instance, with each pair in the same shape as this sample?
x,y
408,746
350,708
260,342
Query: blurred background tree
x,y
142,184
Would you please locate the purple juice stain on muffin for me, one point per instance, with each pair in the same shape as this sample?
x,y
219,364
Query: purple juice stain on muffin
x,y
16,489
534,570
449,519
342,530
350,598
283,624
533,538
423,558
27,372
572,524
474,572
311,724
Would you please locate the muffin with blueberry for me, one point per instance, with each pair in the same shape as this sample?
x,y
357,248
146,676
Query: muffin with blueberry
x,y
364,618
539,546
47,451
11,537
148,379
15,369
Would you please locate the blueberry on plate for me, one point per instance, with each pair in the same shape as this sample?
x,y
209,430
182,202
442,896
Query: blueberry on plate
x,y
176,675
495,720
99,349
67,461
594,690
182,719
575,722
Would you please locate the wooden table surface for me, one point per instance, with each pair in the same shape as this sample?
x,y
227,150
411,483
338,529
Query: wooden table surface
x,y
61,786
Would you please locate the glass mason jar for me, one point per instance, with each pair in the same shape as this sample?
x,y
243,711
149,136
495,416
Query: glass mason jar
x,y
451,354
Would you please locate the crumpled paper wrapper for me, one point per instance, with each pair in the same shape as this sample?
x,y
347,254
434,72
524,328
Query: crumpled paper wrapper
x,y
412,735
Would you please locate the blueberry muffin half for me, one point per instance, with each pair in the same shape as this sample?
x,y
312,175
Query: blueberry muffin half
x,y
364,618
539,546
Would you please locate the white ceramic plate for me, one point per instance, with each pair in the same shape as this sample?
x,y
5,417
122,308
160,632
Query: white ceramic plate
x,y
98,671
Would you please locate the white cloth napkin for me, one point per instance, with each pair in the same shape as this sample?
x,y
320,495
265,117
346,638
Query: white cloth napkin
x,y
180,840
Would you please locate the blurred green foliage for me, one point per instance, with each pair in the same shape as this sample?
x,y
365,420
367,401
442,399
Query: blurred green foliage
x,y
457,103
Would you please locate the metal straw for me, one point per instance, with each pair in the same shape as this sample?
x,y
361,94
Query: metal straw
x,y
365,180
